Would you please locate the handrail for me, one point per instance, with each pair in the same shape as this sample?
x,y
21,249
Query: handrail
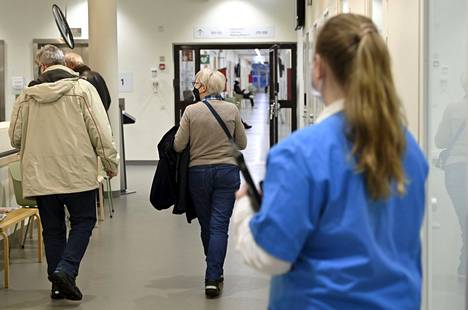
x,y
8,153
9,157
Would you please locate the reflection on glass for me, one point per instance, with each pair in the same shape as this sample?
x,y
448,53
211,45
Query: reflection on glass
x,y
2,81
187,74
451,139
284,123
284,75
447,148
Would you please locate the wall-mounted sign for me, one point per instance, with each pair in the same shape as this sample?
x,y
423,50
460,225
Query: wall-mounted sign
x,y
208,32
77,32
205,59
18,83
126,82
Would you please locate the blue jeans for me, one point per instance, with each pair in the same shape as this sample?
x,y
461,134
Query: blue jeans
x,y
213,189
62,254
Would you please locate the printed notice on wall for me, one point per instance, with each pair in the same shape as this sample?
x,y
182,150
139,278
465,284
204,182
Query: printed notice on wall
x,y
208,32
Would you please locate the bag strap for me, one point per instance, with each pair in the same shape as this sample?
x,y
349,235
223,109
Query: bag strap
x,y
219,119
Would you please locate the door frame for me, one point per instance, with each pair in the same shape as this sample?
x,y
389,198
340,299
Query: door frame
x,y
179,106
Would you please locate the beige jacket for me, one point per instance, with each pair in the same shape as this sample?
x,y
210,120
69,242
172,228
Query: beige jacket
x,y
61,128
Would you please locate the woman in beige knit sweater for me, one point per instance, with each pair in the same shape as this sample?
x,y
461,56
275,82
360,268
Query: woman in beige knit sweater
x,y
214,176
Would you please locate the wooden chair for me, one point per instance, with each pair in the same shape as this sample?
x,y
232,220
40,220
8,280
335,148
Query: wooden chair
x,y
13,218
15,173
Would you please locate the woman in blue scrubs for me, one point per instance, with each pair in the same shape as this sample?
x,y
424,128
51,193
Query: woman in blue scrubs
x,y
343,200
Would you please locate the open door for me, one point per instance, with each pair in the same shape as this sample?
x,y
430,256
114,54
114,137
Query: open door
x,y
187,64
283,93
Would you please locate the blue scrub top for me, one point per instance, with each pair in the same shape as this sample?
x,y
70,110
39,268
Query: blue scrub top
x,y
346,250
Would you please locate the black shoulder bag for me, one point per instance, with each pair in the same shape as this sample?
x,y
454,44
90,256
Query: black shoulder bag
x,y
255,197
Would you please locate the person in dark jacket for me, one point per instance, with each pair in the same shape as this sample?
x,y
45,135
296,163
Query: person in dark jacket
x,y
245,95
170,182
76,63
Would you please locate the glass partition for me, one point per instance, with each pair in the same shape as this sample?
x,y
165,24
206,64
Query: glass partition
x,y
187,74
2,81
446,139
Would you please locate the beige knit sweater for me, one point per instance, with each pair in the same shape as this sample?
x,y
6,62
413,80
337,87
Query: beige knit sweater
x,y
208,142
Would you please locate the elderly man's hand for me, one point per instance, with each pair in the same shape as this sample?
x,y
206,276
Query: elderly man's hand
x,y
111,174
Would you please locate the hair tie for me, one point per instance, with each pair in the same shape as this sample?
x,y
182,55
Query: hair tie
x,y
367,29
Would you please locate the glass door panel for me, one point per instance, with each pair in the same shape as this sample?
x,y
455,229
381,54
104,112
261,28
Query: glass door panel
x,y
2,81
283,105
187,74
447,150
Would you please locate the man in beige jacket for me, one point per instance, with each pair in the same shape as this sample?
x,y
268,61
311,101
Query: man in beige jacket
x,y
61,127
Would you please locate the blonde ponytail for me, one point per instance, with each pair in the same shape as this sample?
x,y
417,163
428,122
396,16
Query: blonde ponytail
x,y
359,58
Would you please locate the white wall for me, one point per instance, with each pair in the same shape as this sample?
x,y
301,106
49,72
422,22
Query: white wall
x,y
141,43
404,42
146,30
21,21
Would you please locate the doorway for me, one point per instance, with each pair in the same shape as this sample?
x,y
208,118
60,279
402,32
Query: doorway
x,y
274,75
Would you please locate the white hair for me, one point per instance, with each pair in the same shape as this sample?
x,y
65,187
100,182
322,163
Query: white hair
x,y
50,55
214,81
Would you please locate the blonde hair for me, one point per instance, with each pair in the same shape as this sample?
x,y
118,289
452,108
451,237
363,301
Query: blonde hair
x,y
73,60
358,56
214,81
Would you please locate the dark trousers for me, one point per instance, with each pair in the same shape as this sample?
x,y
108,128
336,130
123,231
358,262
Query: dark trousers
x,y
247,96
213,189
455,183
62,254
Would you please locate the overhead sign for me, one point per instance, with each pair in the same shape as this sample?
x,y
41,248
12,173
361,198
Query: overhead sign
x,y
208,32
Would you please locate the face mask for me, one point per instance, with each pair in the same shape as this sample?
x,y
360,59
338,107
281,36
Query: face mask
x,y
316,87
317,90
196,94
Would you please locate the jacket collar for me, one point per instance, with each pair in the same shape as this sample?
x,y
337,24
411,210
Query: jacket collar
x,y
53,74
330,110
62,68
82,68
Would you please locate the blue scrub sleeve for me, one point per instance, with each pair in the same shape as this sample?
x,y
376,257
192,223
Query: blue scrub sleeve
x,y
287,216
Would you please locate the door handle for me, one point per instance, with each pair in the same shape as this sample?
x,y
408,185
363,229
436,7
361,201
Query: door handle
x,y
274,109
